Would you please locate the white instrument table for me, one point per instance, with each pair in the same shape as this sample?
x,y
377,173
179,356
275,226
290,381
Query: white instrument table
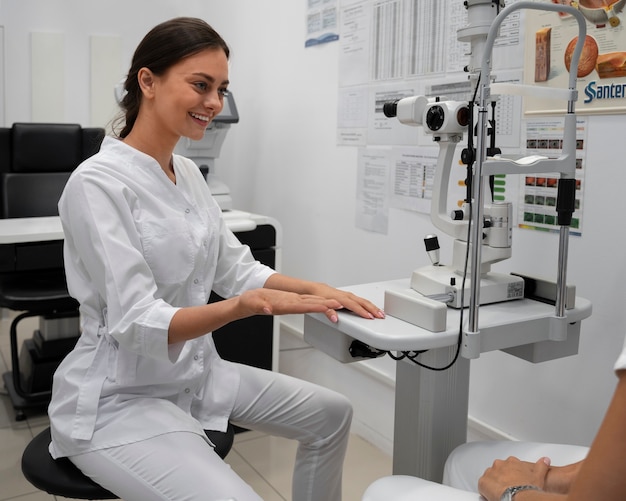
x,y
394,334
431,406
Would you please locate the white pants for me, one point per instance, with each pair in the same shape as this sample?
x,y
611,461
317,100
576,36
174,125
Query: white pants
x,y
464,467
183,466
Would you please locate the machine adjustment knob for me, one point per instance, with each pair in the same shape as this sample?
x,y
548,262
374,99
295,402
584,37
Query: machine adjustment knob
x,y
457,215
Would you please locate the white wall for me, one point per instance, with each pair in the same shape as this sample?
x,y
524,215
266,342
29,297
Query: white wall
x,y
281,160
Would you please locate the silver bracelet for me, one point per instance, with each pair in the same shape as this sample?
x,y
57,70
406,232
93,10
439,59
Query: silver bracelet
x,y
511,491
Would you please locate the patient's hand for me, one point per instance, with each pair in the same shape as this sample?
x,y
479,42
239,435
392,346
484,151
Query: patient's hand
x,y
510,472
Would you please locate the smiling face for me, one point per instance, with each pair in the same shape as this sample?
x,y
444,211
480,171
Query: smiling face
x,y
184,100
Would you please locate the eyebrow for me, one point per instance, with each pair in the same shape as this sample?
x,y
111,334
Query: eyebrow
x,y
210,78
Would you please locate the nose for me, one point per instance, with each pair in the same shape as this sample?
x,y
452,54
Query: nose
x,y
213,102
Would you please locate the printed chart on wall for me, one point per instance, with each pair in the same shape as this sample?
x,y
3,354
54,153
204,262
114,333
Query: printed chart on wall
x,y
321,22
539,192
372,184
550,40
391,49
404,178
413,174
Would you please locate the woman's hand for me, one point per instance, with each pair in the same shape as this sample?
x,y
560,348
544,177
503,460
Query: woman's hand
x,y
278,302
342,299
279,297
510,472
350,301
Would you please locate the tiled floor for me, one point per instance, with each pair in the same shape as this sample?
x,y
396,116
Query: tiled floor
x,y
265,462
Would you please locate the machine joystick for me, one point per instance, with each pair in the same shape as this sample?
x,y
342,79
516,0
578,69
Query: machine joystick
x,y
432,248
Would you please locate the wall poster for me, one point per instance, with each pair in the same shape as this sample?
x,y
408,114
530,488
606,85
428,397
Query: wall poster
x,y
549,42
321,22
537,207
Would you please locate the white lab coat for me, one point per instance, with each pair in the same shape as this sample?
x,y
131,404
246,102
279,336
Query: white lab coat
x,y
137,248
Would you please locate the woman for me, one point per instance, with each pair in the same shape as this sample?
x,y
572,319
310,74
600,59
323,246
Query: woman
x,y
144,246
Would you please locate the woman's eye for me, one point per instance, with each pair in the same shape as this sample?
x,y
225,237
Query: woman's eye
x,y
223,92
201,85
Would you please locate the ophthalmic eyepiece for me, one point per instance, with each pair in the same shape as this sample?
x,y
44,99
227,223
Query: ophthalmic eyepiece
x,y
390,109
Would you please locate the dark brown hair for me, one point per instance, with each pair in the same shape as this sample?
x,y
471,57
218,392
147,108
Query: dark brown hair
x,y
164,46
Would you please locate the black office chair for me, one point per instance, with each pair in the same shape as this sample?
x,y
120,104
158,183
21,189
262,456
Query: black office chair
x,y
35,162
60,477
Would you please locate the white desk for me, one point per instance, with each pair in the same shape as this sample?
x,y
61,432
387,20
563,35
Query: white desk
x,y
23,241
45,229
431,406
30,229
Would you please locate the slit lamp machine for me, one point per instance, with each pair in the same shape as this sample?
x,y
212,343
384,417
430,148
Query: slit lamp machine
x,y
482,227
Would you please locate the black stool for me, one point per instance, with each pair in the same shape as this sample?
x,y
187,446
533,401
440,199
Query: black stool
x,y
60,477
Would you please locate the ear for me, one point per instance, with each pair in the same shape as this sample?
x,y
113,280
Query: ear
x,y
146,79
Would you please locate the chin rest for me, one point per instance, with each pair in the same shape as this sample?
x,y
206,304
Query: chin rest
x,y
60,477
